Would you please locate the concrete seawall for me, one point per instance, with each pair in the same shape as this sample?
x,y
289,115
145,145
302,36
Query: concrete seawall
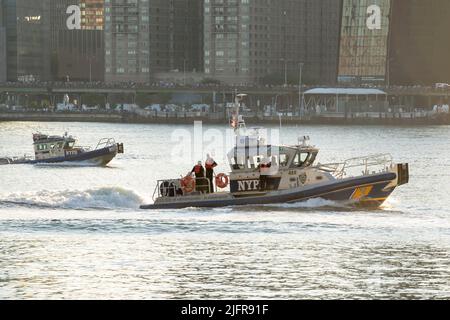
x,y
183,119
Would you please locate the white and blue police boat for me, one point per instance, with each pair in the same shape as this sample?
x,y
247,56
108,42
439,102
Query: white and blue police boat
x,y
263,174
63,149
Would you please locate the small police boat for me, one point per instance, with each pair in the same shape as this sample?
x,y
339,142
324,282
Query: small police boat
x,y
263,174
61,149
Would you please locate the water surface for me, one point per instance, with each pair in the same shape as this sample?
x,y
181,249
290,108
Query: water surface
x,y
77,232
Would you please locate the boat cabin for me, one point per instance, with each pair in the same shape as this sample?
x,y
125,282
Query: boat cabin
x,y
263,168
244,160
47,147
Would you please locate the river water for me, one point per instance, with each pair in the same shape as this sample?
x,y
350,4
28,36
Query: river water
x,y
75,232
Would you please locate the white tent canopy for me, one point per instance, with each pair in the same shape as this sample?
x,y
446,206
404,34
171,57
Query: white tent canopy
x,y
345,91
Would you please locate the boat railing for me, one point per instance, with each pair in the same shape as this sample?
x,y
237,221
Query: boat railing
x,y
105,143
84,148
5,161
11,160
25,157
171,188
370,164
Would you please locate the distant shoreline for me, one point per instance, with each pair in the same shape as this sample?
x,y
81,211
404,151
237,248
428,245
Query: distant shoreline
x,y
182,119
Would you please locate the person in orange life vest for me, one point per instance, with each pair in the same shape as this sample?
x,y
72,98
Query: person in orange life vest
x,y
199,172
210,164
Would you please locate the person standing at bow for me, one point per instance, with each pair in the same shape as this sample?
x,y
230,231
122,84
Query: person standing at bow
x,y
210,164
199,172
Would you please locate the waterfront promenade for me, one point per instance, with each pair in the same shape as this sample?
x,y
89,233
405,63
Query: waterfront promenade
x,y
367,118
398,105
197,88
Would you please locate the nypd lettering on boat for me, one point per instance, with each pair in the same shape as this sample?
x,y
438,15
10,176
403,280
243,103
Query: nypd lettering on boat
x,y
248,185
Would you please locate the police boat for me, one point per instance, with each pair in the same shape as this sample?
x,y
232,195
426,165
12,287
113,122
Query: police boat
x,y
264,174
61,149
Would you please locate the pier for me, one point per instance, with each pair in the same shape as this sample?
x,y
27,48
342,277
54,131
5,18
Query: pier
x,y
266,104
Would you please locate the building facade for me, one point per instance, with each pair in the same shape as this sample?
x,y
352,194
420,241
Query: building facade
x,y
146,37
92,14
266,41
27,26
364,41
2,45
419,46
77,53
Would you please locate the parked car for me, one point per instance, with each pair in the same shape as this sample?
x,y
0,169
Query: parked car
x,y
86,108
442,86
200,108
153,107
61,107
171,108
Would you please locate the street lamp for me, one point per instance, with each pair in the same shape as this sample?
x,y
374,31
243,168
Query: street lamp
x,y
300,100
388,71
285,49
285,72
184,72
276,103
90,68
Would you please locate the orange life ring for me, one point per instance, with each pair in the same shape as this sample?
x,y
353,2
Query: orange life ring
x,y
222,180
188,184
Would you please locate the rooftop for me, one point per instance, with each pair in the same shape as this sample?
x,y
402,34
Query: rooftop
x,y
345,91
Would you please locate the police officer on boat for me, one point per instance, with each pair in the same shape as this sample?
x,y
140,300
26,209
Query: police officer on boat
x,y
199,172
210,164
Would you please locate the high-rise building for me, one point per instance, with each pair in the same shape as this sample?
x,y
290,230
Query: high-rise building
x,y
267,40
419,46
92,12
2,45
27,26
143,38
77,54
186,35
364,40
127,47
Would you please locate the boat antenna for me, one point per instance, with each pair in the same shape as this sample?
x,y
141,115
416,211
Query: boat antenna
x,y
237,121
281,136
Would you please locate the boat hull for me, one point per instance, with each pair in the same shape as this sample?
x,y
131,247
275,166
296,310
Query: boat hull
x,y
369,191
100,157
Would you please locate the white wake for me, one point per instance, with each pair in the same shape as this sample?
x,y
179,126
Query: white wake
x,y
102,198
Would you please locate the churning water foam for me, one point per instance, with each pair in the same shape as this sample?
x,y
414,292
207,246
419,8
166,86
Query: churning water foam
x,y
102,198
309,204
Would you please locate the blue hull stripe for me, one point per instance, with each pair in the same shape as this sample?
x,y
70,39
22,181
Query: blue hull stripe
x,y
336,191
76,158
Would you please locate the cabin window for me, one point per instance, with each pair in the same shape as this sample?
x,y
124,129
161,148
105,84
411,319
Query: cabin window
x,y
274,161
257,160
42,147
304,159
251,163
238,163
70,145
284,160
300,159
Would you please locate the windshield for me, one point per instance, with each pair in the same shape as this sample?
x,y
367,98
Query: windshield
x,y
69,145
304,159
